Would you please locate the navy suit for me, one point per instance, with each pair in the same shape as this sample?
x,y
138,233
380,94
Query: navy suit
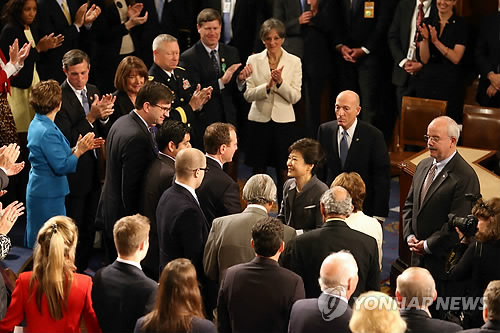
x,y
418,321
491,326
367,156
129,151
121,294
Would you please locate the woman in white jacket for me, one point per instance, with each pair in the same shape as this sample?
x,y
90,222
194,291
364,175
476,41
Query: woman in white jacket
x,y
272,89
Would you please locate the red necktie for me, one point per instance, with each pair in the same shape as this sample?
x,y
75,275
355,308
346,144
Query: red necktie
x,y
420,19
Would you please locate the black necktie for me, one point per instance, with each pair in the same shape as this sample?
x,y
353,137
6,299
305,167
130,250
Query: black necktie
x,y
215,63
344,149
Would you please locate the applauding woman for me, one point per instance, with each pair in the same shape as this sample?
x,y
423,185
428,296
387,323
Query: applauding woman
x,y
52,298
51,159
273,88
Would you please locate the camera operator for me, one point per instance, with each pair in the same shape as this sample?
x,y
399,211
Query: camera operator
x,y
479,263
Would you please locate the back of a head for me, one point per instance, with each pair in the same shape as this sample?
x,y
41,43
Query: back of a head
x,y
415,288
53,263
45,97
259,189
376,312
337,201
488,210
267,236
129,232
355,185
186,161
492,300
178,299
216,135
336,271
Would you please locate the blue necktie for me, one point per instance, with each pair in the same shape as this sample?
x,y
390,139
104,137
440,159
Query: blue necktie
x,y
159,8
153,130
227,21
85,102
344,148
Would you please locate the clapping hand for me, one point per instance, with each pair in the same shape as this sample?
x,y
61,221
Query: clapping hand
x,y
49,42
9,215
229,73
8,157
133,13
200,97
245,73
17,56
101,108
91,14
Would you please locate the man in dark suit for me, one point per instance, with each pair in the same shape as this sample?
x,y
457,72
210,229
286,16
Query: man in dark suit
x,y
172,137
213,64
487,56
439,186
360,35
404,35
257,296
66,18
130,149
241,21
82,112
363,150
491,310
228,243
188,98
219,194
305,254
330,312
182,227
121,292
415,291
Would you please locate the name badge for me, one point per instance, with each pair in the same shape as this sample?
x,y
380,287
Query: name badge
x,y
369,9
411,52
227,6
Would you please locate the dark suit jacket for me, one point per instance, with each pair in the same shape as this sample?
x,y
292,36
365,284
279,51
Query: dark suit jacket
x,y
122,294
219,194
301,211
129,151
51,19
182,228
307,317
491,326
72,122
228,242
446,195
221,106
4,180
257,297
158,179
418,321
367,156
9,34
487,55
306,253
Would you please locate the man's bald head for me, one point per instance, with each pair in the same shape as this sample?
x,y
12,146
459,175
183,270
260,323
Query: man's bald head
x,y
187,161
339,271
350,96
415,288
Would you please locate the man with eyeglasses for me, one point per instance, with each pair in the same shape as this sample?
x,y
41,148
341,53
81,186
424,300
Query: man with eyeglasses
x,y
182,226
438,189
130,149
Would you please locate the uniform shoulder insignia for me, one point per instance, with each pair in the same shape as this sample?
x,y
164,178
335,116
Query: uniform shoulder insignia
x,y
181,68
151,78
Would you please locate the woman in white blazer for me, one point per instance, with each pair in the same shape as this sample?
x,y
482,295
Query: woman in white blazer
x,y
273,88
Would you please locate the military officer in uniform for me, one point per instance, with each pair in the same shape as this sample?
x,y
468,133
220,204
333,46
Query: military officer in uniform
x,y
187,98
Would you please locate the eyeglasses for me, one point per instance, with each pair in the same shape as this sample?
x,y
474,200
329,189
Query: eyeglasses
x,y
203,169
165,109
432,138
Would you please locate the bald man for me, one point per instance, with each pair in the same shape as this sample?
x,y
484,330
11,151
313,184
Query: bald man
x,y
182,226
415,292
363,150
338,278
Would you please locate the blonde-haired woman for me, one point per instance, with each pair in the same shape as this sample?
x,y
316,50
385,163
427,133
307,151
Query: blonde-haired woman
x,y
375,312
52,298
178,306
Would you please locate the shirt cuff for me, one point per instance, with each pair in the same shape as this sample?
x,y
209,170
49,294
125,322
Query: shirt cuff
x,y
77,29
104,121
241,84
11,69
365,50
221,85
426,248
3,169
408,238
403,62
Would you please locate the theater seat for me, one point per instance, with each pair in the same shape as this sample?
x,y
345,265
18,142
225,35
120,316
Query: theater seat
x,y
481,127
416,114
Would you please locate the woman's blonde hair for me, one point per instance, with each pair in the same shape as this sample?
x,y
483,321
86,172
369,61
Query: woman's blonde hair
x,y
54,264
178,299
375,312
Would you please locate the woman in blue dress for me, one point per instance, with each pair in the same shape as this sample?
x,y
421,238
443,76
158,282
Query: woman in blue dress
x,y
51,159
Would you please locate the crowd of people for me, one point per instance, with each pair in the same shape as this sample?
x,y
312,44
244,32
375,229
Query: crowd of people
x,y
150,156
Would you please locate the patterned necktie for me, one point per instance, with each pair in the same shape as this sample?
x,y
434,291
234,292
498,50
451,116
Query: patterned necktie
x,y
344,148
85,102
65,8
215,62
420,19
427,183
152,131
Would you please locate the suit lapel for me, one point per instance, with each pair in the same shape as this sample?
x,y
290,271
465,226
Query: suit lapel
x,y
336,145
144,129
291,195
440,178
185,192
73,101
355,143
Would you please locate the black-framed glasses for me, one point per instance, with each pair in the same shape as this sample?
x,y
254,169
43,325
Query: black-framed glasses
x,y
165,109
204,169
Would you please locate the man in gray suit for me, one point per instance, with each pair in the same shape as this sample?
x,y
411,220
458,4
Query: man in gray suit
x,y
228,243
438,189
330,312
